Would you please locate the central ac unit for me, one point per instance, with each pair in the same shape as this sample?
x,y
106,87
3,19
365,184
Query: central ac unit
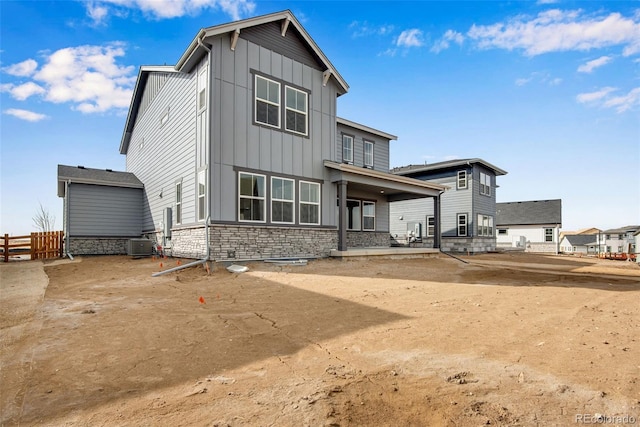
x,y
140,247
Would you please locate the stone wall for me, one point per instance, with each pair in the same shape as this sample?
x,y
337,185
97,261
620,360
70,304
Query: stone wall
x,y
229,242
367,239
547,248
98,246
470,245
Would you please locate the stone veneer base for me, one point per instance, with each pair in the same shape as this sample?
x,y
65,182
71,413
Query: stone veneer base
x,y
97,245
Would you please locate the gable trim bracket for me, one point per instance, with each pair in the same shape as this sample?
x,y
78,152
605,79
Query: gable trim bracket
x,y
325,76
285,26
234,38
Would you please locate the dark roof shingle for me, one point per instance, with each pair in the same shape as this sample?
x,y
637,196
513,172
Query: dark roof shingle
x,y
529,213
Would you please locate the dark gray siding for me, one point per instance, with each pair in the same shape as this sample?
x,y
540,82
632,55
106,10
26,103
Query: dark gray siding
x,y
101,211
238,143
160,154
380,147
292,46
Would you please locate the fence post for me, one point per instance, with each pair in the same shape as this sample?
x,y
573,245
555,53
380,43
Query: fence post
x,y
6,247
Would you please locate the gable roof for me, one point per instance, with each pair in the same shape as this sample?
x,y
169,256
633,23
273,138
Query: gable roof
x,y
364,128
529,213
106,177
581,239
449,164
197,49
623,230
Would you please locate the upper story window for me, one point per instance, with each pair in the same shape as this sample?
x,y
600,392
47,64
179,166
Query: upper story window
x,y
347,148
252,198
267,108
485,184
462,180
368,154
296,110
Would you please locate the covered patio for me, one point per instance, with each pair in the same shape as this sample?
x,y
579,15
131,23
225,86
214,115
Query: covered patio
x,y
349,179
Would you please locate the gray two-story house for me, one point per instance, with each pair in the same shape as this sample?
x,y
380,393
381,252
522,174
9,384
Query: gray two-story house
x,y
467,208
242,155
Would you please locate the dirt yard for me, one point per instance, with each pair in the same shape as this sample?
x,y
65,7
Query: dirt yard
x,y
504,339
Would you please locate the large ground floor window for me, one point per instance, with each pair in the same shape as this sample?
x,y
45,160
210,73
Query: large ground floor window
x,y
278,200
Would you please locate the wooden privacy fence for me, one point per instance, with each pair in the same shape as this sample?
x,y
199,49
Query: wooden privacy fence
x,y
43,245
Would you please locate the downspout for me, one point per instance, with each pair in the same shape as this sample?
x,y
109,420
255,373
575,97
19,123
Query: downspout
x,y
68,235
194,263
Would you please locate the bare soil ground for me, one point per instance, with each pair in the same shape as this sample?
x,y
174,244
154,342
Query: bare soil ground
x,y
505,339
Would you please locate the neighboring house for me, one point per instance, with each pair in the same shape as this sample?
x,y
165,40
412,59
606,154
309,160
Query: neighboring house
x,y
533,225
242,155
467,207
619,240
579,244
101,209
583,231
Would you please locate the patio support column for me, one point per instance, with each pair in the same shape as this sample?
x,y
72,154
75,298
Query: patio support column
x,y
342,215
436,222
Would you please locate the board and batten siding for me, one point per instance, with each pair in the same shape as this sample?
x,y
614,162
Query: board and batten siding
x,y
380,147
159,154
239,143
103,211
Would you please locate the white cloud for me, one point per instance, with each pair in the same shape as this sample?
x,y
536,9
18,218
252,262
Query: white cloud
x,y
22,69
410,38
592,65
23,91
445,41
605,98
523,81
363,29
539,77
29,116
88,77
559,31
584,98
236,9
624,102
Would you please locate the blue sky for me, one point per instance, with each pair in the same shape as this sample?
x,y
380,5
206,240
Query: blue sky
x,y
548,91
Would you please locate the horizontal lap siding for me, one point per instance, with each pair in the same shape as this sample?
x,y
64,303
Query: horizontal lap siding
x,y
380,147
161,154
102,211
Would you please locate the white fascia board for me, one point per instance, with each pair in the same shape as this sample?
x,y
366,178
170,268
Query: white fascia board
x,y
365,128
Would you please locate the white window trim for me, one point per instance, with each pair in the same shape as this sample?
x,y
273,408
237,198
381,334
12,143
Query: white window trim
x,y
485,221
201,177
368,202
256,99
465,225
552,235
178,202
485,189
433,227
364,155
292,201
347,160
240,196
461,182
306,112
301,202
